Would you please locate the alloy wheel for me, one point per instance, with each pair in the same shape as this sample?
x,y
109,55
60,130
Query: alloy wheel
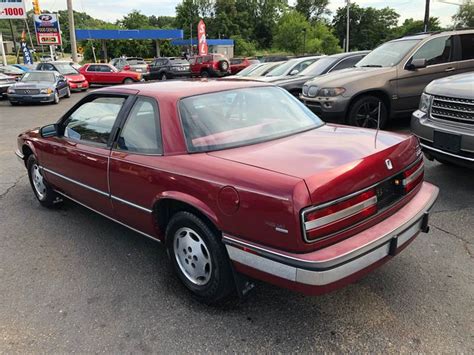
x,y
368,114
38,181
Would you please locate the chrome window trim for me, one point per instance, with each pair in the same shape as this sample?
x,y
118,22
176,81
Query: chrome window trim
x,y
112,219
342,214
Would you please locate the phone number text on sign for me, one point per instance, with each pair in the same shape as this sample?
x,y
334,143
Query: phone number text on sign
x,y
11,10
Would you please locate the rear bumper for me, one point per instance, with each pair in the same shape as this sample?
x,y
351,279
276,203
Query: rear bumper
x,y
341,263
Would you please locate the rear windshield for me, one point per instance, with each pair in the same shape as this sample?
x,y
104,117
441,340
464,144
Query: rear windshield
x,y
179,61
133,61
242,117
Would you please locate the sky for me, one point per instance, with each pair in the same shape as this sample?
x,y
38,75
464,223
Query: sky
x,y
111,10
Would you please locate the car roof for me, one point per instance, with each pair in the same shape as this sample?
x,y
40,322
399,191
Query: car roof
x,y
177,89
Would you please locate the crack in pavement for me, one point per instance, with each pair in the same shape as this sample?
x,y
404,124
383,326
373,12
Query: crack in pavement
x,y
465,242
13,186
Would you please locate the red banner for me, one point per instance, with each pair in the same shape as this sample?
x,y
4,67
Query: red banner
x,y
202,38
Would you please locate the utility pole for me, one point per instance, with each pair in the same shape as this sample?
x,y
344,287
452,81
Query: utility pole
x,y
2,49
427,16
72,31
348,24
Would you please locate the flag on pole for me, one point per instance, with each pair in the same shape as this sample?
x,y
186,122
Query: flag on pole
x,y
202,38
27,58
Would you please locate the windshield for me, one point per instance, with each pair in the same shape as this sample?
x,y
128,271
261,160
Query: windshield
x,y
265,68
388,54
65,69
242,117
44,76
248,70
319,67
283,69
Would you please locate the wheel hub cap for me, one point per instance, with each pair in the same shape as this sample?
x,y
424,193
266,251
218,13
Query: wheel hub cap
x,y
192,256
38,181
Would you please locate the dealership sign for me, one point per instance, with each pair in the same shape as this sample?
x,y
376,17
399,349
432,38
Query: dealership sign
x,y
47,29
12,9
202,38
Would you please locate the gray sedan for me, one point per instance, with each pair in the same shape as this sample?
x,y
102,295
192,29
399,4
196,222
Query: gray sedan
x,y
39,86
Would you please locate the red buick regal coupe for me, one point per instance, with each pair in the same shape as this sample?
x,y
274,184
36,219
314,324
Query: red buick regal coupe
x,y
239,181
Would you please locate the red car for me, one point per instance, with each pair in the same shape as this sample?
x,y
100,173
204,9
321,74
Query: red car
x,y
209,65
108,74
76,81
234,186
238,64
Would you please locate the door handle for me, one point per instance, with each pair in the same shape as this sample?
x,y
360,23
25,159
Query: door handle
x,y
450,69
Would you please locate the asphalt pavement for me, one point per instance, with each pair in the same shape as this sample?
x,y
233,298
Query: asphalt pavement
x,y
73,281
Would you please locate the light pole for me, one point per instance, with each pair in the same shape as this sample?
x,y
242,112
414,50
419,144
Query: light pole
x,y
427,16
304,40
72,31
348,24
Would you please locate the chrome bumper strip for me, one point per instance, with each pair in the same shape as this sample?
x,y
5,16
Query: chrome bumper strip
x,y
19,155
446,153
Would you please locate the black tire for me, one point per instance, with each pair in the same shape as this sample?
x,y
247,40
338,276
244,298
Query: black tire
x,y
163,76
445,162
49,198
68,92
205,74
223,65
14,103
220,283
128,81
364,112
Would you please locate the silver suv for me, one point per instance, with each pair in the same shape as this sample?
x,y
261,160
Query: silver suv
x,y
444,121
393,76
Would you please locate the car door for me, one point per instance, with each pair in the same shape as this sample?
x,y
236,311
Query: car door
x,y
441,61
61,84
134,178
91,73
466,44
76,161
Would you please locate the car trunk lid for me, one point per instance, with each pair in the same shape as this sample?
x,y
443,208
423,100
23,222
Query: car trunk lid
x,y
333,160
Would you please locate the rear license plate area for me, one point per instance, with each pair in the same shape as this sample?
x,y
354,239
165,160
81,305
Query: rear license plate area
x,y
447,141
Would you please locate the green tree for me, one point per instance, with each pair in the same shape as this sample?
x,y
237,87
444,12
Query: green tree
x,y
243,47
134,20
312,9
187,15
296,35
369,27
411,26
162,21
464,18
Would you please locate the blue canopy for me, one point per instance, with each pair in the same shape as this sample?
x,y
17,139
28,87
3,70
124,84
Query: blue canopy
x,y
210,42
128,34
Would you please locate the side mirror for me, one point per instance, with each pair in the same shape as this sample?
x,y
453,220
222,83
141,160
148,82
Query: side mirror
x,y
417,64
294,72
50,130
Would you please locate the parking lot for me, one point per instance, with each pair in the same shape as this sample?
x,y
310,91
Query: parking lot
x,y
73,281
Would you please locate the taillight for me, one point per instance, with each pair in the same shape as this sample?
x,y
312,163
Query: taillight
x,y
413,176
148,67
126,67
324,221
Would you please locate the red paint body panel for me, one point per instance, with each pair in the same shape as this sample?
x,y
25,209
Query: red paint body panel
x,y
273,181
108,77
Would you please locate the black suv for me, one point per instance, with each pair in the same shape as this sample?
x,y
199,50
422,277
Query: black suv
x,y
168,68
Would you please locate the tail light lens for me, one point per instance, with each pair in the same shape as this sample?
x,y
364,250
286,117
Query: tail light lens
x,y
413,176
338,216
126,67
148,67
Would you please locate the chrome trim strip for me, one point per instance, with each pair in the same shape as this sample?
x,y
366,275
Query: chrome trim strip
x,y
446,153
130,204
76,182
229,240
19,154
349,211
112,219
414,176
322,277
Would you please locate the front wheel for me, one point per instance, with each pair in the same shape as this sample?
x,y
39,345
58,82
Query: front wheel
x,y
43,192
199,258
204,74
128,81
68,92
163,77
364,112
56,97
